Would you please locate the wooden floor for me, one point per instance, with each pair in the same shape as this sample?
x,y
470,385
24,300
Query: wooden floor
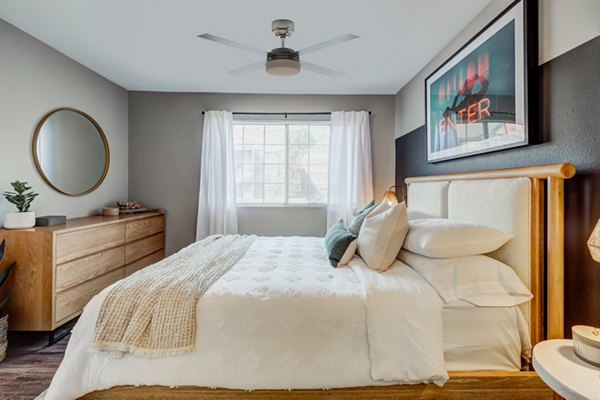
x,y
29,365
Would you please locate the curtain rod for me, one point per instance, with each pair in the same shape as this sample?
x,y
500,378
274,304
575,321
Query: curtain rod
x,y
282,113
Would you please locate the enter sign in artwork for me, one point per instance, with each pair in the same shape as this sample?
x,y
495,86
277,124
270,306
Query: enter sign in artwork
x,y
476,101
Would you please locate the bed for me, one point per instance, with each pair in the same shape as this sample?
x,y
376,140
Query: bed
x,y
512,200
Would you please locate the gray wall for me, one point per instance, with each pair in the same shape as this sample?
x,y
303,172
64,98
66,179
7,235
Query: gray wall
x,y
563,25
283,221
165,131
35,79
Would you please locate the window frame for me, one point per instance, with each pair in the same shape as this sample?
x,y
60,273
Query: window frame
x,y
287,124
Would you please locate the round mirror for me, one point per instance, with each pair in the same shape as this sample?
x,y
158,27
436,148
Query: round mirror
x,y
70,151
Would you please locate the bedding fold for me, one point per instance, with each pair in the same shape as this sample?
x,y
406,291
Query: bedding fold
x,y
404,325
152,313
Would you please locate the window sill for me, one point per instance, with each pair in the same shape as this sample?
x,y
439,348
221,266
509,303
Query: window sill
x,y
275,205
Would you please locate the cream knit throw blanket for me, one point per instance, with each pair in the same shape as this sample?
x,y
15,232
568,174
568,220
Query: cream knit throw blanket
x,y
152,313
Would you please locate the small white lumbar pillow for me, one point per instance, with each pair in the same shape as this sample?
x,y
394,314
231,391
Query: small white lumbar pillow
x,y
479,280
446,238
382,234
348,254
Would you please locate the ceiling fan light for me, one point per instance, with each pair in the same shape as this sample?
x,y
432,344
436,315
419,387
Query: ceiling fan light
x,y
283,67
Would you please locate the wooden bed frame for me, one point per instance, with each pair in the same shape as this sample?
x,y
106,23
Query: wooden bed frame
x,y
547,318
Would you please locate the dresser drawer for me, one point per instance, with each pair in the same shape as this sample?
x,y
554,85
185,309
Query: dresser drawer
x,y
73,300
83,269
147,227
144,262
136,250
72,245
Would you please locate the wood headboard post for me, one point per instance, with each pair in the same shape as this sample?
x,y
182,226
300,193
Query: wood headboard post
x,y
556,258
538,277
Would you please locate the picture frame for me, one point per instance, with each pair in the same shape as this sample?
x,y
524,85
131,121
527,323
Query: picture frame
x,y
484,98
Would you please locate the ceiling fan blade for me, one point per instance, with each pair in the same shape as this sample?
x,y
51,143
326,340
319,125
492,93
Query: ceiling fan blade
x,y
321,70
231,43
247,69
328,43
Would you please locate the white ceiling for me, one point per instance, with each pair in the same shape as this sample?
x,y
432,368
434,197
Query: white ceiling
x,y
152,45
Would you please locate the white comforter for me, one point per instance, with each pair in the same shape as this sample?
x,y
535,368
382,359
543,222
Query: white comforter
x,y
283,318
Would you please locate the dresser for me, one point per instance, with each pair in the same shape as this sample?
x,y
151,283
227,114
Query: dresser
x,y
60,268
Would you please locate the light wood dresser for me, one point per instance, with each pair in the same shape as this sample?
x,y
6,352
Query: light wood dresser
x,y
60,268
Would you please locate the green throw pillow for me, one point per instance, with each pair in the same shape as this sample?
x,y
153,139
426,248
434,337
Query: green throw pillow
x,y
360,216
337,240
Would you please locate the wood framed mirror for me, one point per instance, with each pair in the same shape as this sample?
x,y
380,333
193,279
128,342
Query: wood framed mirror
x,y
71,151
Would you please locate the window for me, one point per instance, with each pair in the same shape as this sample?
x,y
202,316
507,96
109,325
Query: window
x,y
282,163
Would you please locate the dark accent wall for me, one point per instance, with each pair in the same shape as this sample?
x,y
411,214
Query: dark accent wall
x,y
570,109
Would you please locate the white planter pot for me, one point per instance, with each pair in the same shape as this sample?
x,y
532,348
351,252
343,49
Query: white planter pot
x,y
19,220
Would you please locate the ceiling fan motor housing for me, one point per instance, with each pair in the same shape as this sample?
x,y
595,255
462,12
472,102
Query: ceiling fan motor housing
x,y
283,61
283,53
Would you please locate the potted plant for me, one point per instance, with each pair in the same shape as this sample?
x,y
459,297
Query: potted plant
x,y
22,199
3,303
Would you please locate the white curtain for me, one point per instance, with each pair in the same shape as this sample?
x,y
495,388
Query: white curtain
x,y
350,171
217,211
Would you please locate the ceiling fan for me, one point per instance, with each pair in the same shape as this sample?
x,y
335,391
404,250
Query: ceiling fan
x,y
282,61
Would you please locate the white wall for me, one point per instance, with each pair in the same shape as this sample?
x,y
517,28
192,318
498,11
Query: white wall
x,y
164,156
35,79
563,25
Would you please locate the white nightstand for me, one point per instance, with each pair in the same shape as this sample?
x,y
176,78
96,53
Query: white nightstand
x,y
566,374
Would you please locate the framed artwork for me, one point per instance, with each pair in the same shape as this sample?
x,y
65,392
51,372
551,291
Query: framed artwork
x,y
484,98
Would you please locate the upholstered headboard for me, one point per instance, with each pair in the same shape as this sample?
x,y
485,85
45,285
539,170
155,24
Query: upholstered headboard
x,y
512,201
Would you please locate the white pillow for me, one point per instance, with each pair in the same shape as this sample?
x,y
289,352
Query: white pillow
x,y
382,234
348,254
446,238
479,280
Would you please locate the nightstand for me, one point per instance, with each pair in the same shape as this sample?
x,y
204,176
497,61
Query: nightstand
x,y
566,374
